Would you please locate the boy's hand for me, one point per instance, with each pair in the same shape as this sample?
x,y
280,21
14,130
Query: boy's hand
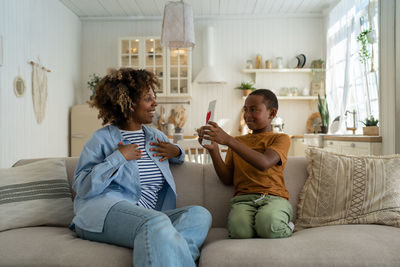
x,y
215,133
210,147
165,150
130,152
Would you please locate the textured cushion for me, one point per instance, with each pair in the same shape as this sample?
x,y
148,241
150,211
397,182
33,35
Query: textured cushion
x,y
35,194
344,189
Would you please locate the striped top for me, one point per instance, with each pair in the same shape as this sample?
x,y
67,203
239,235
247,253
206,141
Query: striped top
x,y
151,178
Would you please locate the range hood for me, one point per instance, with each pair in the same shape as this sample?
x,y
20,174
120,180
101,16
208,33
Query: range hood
x,y
209,74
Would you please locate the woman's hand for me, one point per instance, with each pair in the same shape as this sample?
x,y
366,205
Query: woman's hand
x,y
130,152
165,150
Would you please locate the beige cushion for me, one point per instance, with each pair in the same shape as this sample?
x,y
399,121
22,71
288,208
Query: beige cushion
x,y
344,189
328,246
35,194
58,246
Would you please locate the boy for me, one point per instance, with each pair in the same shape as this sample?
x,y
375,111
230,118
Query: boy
x,y
254,164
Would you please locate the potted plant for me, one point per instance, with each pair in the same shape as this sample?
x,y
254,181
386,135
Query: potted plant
x,y
94,79
371,126
324,112
246,87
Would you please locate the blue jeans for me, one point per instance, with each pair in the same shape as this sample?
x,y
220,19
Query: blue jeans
x,y
166,238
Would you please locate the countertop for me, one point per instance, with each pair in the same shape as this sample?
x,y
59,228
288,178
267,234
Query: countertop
x,y
347,137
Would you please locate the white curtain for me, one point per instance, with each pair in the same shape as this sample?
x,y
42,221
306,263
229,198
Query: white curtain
x,y
348,81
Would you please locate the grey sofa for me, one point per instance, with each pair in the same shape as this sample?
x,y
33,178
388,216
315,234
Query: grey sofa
x,y
344,245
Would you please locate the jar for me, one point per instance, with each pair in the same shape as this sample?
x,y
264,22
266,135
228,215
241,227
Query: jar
x,y
259,61
279,62
268,64
249,64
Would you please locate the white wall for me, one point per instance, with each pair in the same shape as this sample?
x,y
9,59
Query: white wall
x,y
236,40
31,29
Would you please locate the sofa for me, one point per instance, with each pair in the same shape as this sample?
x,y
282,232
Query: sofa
x,y
336,245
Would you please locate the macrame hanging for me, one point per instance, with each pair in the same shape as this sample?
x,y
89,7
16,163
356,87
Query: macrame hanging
x,y
39,90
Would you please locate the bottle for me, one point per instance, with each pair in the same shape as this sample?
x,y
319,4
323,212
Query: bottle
x,y
259,61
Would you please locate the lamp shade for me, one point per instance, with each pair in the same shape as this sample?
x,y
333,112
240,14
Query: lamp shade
x,y
177,27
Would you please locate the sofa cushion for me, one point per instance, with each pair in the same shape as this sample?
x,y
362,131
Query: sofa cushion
x,y
58,246
345,189
35,194
338,245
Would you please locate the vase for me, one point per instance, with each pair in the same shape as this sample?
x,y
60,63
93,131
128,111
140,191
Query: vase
x,y
324,129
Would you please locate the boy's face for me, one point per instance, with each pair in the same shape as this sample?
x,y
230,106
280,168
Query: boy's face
x,y
256,115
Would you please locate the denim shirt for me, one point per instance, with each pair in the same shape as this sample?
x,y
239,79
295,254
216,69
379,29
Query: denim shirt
x,y
103,177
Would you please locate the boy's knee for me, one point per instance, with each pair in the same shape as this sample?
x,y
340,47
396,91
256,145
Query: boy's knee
x,y
272,225
239,227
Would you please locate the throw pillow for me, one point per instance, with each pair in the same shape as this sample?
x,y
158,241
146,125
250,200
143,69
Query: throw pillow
x,y
344,189
35,194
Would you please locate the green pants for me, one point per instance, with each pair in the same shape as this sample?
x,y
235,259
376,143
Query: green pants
x,y
257,215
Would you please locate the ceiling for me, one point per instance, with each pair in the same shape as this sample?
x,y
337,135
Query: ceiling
x,y
153,9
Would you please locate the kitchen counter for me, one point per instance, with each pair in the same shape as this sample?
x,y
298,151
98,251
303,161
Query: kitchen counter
x,y
346,137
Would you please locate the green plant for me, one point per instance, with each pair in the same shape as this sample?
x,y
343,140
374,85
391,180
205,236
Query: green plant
x,y
246,86
94,79
323,111
370,121
363,38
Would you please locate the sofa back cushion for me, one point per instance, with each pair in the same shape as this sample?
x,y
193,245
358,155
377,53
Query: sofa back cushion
x,y
198,184
189,180
218,195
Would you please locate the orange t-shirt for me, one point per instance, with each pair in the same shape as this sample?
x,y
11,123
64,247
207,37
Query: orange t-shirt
x,y
247,179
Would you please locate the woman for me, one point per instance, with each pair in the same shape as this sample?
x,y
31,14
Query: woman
x,y
125,192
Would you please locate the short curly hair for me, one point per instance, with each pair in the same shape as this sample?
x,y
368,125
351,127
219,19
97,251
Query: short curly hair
x,y
270,99
118,93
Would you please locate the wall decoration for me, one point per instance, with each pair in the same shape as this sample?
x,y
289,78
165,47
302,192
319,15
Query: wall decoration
x,y
19,86
39,90
1,50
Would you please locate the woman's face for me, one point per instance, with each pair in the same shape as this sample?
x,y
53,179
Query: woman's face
x,y
145,108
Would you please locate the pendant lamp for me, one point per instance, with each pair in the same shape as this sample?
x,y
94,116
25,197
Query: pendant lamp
x,y
177,27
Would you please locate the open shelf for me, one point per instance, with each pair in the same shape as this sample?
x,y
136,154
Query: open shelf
x,y
280,70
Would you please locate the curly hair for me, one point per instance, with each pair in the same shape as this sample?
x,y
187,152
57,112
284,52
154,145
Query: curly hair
x,y
270,99
118,93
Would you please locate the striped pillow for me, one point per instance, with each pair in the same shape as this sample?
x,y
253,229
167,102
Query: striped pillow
x,y
35,194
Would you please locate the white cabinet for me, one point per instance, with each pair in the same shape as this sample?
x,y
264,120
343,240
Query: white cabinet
x,y
353,147
173,67
297,147
179,76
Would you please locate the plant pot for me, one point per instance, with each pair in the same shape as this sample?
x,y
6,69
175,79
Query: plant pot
x,y
246,92
371,130
324,129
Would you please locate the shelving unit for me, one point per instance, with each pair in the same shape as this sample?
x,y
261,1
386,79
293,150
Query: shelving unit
x,y
279,70
275,79
297,97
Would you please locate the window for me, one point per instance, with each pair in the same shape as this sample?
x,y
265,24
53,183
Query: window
x,y
352,85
